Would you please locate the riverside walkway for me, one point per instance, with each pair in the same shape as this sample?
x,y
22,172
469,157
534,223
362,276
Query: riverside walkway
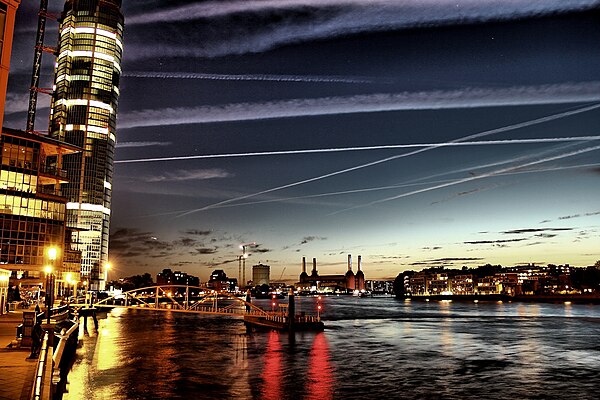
x,y
17,371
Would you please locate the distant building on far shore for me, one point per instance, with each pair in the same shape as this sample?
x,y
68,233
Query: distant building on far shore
x,y
261,275
169,277
346,283
219,281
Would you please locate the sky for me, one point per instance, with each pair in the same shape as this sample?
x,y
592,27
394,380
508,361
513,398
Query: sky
x,y
413,133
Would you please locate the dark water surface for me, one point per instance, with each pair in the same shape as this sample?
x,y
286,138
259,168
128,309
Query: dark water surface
x,y
371,348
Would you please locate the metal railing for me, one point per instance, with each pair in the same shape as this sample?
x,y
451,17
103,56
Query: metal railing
x,y
38,384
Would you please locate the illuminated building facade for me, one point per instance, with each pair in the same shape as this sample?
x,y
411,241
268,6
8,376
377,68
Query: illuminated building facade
x,y
33,211
84,113
346,283
261,274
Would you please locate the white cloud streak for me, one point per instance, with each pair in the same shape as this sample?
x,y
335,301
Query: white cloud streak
x,y
189,175
403,11
406,101
333,18
359,148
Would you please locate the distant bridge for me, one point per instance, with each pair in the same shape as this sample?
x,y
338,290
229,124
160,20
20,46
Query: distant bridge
x,y
194,300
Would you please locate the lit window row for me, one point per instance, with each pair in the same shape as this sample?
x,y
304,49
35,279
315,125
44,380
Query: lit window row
x,y
88,207
18,181
17,205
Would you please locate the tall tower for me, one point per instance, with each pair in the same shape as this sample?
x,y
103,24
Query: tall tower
x,y
84,113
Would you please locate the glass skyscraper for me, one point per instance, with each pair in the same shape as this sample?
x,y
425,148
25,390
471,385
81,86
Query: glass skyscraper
x,y
84,113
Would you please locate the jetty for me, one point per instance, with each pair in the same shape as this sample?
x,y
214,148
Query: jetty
x,y
287,321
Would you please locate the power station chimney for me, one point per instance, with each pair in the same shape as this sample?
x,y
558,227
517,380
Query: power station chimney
x,y
314,270
349,262
359,261
304,264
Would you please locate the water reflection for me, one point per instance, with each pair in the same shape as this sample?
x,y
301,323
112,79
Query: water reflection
x,y
272,372
320,372
372,348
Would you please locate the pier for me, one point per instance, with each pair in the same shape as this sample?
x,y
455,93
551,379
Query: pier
x,y
285,321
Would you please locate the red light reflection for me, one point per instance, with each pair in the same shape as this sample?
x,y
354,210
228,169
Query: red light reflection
x,y
320,371
272,371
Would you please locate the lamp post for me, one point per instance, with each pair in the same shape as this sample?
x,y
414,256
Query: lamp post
x,y
52,254
48,270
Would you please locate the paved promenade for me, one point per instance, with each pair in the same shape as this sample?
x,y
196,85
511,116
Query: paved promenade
x,y
16,371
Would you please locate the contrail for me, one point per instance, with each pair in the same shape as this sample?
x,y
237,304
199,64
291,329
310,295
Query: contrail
x,y
250,77
472,178
362,148
346,170
388,187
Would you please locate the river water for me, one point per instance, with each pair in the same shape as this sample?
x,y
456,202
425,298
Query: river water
x,y
371,348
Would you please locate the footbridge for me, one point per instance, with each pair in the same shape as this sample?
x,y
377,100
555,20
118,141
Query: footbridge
x,y
181,298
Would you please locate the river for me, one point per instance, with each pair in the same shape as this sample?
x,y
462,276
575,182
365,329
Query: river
x,y
371,348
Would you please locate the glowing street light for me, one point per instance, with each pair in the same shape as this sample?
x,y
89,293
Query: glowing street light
x,y
52,253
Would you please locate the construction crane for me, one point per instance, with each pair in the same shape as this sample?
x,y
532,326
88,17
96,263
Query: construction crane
x,y
281,276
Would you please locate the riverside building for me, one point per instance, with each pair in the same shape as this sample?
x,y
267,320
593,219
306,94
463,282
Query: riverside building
x,y
84,113
33,213
344,283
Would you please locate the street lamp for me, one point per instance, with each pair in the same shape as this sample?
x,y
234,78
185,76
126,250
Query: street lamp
x,y
48,271
52,253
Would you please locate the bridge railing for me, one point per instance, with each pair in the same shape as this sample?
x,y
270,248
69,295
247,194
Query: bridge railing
x,y
161,297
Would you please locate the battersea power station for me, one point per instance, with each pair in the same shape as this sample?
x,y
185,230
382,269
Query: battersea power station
x,y
346,283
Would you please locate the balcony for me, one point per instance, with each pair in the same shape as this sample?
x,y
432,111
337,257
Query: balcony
x,y
51,175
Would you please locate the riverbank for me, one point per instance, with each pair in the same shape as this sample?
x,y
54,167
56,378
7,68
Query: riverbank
x,y
556,298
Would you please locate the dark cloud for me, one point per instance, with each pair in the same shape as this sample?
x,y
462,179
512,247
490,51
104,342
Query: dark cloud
x,y
186,242
495,241
432,248
307,239
534,230
570,216
389,257
465,193
126,242
545,235
261,250
447,261
204,250
197,232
